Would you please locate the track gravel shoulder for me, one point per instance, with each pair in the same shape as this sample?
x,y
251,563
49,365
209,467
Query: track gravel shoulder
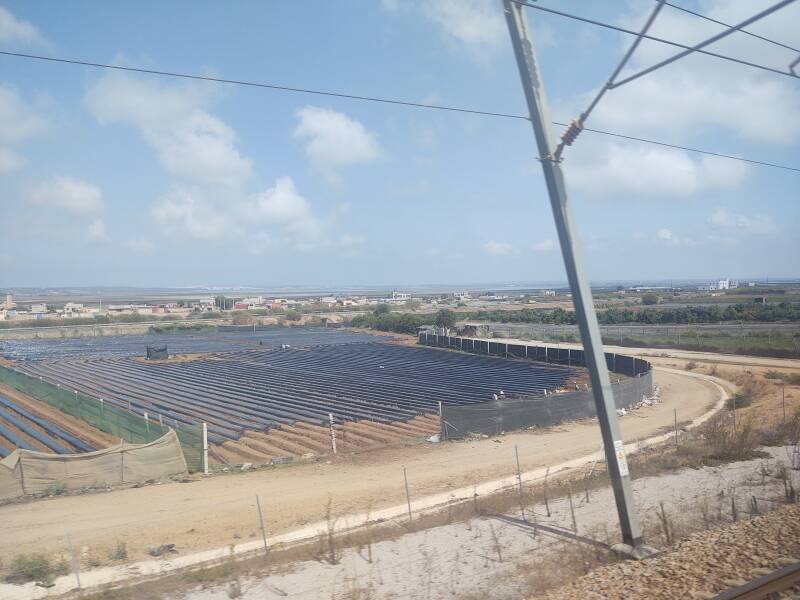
x,y
702,565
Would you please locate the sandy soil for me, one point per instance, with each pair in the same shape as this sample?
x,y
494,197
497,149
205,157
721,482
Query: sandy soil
x,y
492,558
209,513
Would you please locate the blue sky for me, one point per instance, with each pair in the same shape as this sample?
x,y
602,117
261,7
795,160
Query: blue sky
x,y
109,178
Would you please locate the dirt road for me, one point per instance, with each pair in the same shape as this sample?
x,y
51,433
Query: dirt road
x,y
220,510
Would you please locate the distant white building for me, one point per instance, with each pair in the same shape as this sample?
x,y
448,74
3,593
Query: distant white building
x,y
253,302
9,303
400,296
461,296
40,307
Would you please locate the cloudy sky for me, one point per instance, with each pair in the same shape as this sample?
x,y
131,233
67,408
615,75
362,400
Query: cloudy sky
x,y
112,178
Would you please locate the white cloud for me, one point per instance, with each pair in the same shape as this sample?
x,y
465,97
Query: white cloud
x,y
498,248
333,140
189,141
139,245
602,169
18,123
187,210
759,224
282,205
475,25
669,237
68,193
348,240
544,246
17,31
9,160
96,231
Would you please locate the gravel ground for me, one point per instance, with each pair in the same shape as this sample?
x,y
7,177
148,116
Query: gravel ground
x,y
703,564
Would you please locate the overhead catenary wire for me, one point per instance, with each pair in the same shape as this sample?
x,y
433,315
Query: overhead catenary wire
x,y
744,31
390,101
577,126
715,38
653,38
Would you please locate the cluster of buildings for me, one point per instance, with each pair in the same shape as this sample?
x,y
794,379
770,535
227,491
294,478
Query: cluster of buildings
x,y
11,311
722,284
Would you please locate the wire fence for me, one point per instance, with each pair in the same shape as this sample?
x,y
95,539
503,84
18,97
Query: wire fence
x,y
107,417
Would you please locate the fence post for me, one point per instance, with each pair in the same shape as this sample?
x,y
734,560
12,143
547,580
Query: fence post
x,y
519,480
676,427
333,433
205,448
263,531
146,422
783,401
408,496
74,561
442,427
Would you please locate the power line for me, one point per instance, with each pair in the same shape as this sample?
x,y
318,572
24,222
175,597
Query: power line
x,y
382,101
653,38
718,22
715,38
687,148
577,126
270,86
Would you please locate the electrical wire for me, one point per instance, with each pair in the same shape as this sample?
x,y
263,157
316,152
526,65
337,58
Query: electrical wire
x,y
654,38
687,148
572,132
718,22
715,38
383,101
270,86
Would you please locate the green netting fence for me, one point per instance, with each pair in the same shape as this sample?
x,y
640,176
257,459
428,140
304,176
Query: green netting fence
x,y
106,417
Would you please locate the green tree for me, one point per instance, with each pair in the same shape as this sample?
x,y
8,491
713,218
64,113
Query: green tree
x,y
382,309
222,302
649,299
445,318
293,315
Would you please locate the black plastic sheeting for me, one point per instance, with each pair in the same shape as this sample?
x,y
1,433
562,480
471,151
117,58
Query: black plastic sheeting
x,y
496,416
571,357
509,414
157,352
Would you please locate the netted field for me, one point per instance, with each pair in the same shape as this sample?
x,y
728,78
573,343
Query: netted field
x,y
20,427
222,340
260,389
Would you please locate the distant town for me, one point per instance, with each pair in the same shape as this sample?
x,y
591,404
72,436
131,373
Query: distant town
x,y
208,306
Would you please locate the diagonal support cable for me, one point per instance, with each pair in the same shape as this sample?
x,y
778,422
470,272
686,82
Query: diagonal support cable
x,y
709,41
718,22
577,126
654,38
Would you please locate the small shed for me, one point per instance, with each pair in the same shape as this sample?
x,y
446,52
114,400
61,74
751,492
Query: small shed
x,y
157,352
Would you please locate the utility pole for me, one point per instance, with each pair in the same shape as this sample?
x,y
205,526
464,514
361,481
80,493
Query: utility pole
x,y
581,293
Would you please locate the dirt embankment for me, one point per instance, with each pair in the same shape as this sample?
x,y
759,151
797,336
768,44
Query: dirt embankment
x,y
207,513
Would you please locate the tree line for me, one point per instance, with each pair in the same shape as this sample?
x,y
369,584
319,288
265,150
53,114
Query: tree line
x,y
383,319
